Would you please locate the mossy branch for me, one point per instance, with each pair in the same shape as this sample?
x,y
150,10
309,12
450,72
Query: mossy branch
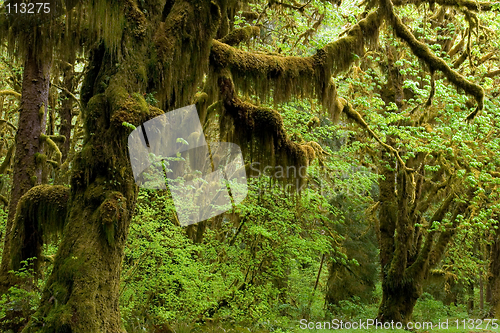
x,y
265,127
70,94
445,237
457,48
10,93
58,155
4,201
423,52
240,35
493,73
40,218
8,123
58,138
8,159
284,78
423,256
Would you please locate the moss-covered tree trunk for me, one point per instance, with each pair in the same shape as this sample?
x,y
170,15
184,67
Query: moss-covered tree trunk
x,y
407,254
27,168
82,292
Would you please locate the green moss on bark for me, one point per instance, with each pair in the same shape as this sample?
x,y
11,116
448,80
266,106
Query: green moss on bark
x,y
39,219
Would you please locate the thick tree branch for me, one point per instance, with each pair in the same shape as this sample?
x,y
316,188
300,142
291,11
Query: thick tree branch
x,y
284,78
423,258
265,126
445,237
492,73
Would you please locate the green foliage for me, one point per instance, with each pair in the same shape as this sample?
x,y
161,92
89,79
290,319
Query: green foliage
x,y
21,300
429,309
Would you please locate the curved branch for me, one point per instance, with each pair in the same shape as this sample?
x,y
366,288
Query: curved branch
x,y
8,123
265,126
40,217
70,94
423,52
8,159
10,93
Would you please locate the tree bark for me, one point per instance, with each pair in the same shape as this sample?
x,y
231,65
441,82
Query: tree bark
x,y
82,292
31,125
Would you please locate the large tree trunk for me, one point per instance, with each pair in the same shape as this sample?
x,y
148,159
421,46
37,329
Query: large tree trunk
x,y
405,258
398,301
82,292
31,126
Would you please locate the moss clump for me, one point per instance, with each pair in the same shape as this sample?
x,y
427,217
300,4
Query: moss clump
x,y
110,213
40,158
40,218
240,35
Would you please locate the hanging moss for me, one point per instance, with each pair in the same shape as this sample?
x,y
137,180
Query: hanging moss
x,y
260,132
182,48
10,93
284,78
106,20
41,214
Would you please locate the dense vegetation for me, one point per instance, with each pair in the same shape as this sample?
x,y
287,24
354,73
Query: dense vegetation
x,y
369,132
